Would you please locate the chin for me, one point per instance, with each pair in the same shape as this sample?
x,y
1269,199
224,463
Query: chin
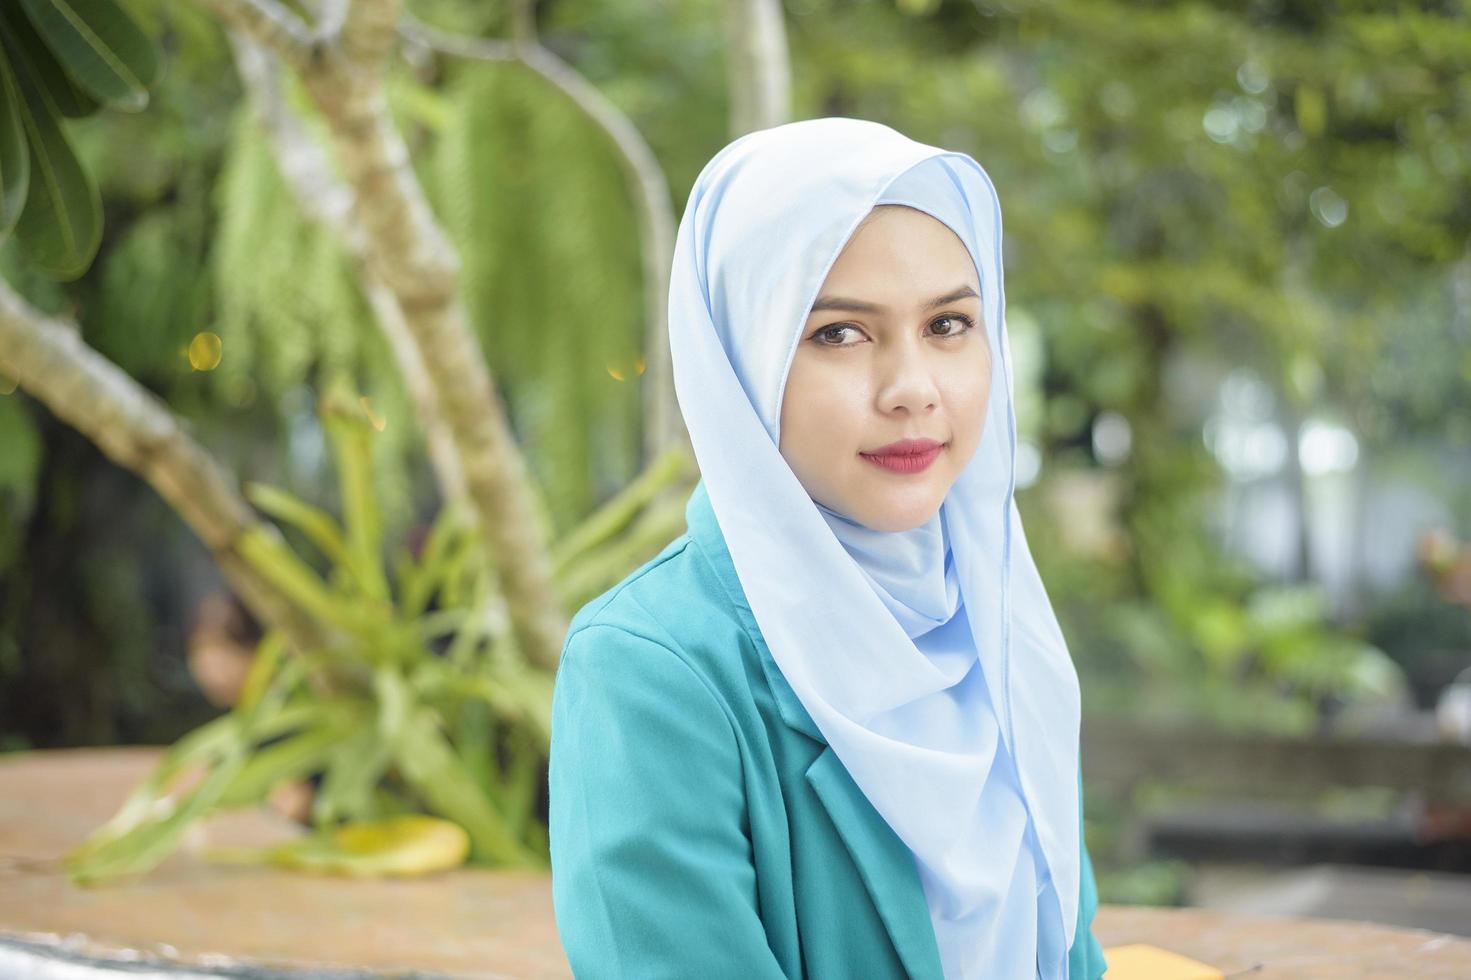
x,y
902,515
903,523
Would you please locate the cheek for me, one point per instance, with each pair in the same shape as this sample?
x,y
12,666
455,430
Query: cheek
x,y
969,398
821,424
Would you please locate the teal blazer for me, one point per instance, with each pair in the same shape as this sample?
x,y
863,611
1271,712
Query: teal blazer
x,y
700,825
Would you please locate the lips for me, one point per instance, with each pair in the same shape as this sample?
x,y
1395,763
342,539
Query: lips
x,y
906,447
906,455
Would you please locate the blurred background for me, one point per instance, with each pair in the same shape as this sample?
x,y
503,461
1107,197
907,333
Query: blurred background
x,y
1238,246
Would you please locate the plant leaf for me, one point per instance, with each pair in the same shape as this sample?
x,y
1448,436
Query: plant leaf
x,y
411,844
290,758
61,222
434,771
144,845
268,654
446,535
203,744
100,46
314,522
351,436
671,466
15,158
269,555
70,100
354,769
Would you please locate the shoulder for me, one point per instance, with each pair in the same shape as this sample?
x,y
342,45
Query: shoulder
x,y
673,602
623,605
674,599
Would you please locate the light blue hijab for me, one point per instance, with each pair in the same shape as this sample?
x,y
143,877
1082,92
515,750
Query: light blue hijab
x,y
930,659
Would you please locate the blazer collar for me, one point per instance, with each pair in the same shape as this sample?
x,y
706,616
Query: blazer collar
x,y
900,898
705,531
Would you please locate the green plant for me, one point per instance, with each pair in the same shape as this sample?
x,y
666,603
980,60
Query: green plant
x,y
62,59
420,702
405,844
1270,659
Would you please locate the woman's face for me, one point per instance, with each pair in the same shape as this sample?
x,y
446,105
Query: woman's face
x,y
893,349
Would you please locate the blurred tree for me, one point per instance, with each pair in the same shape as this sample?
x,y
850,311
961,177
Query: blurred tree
x,y
1183,183
341,61
300,311
1272,185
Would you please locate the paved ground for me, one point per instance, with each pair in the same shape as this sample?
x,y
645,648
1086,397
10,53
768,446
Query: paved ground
x,y
1419,899
258,923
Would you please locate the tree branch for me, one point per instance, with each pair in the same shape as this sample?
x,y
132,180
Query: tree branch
x,y
369,31
272,25
410,253
324,199
757,65
49,359
646,182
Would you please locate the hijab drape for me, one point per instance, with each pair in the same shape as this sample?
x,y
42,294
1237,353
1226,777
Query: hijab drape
x,y
930,659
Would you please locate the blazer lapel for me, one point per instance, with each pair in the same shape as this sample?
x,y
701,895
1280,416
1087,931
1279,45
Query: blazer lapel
x,y
884,861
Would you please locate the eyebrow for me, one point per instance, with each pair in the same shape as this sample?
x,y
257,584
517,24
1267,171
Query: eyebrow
x,y
860,306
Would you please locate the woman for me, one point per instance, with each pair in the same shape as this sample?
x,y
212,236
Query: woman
x,y
832,730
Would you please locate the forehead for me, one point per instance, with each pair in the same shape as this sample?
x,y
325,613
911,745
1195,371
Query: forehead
x,y
896,250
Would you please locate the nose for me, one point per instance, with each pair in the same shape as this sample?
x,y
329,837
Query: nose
x,y
906,380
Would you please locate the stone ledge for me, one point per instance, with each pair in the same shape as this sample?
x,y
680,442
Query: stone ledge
x,y
470,923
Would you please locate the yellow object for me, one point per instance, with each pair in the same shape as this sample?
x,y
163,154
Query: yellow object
x,y
410,844
1140,961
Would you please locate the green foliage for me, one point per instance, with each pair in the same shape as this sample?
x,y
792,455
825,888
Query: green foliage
x,y
663,65
153,291
1160,882
1281,188
420,702
536,201
289,310
62,59
106,55
150,289
375,710
403,844
1278,187
1429,635
19,465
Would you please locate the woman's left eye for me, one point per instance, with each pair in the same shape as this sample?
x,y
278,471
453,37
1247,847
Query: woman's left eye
x,y
832,336
967,324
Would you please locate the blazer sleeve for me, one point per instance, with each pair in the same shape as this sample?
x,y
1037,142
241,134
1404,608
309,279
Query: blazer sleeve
x,y
1085,959
652,874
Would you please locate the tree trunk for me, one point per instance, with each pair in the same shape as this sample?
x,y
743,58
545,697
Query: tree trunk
x,y
757,65
663,426
308,173
342,66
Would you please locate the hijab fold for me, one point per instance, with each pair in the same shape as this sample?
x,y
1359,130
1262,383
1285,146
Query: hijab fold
x,y
930,659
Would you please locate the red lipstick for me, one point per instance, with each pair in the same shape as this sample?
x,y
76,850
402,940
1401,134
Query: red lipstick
x,y
906,455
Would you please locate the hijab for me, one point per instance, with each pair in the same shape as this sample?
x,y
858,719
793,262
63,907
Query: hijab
x,y
930,659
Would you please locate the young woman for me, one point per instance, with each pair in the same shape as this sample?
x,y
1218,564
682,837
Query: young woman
x,y
832,730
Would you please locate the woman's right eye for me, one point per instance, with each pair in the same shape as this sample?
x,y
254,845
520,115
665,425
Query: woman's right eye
x,y
831,336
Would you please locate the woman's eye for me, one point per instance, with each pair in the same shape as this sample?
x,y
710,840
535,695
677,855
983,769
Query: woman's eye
x,y
832,336
962,324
